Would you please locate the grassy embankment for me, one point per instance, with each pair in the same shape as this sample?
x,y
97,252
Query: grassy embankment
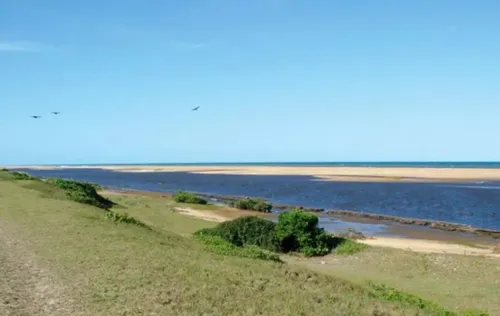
x,y
116,267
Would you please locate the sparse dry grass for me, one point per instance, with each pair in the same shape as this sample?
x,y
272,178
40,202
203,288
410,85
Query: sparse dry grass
x,y
110,268
457,282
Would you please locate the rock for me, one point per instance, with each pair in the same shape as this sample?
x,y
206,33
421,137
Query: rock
x,y
496,249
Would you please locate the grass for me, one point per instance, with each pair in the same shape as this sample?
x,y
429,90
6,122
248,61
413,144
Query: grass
x,y
220,246
457,283
116,267
349,247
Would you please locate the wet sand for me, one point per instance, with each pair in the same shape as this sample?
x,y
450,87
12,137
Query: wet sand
x,y
368,174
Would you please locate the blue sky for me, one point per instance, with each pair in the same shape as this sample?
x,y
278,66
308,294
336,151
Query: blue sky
x,y
277,80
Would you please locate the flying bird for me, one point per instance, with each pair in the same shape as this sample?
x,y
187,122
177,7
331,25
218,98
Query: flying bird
x,y
36,116
196,108
55,113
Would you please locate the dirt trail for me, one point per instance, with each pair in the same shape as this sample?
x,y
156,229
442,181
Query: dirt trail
x,y
26,289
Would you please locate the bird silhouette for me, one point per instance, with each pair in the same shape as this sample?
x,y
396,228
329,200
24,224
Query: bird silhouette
x,y
196,108
36,116
55,113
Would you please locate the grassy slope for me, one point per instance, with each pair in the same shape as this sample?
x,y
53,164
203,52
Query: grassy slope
x,y
457,282
120,269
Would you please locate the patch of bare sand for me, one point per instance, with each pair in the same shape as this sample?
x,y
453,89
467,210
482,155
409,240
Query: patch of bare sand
x,y
323,173
25,287
205,215
429,246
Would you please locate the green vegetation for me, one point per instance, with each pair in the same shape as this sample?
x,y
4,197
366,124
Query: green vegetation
x,y
245,231
390,294
455,282
14,175
186,197
125,218
221,246
111,263
99,267
82,192
258,205
296,231
349,247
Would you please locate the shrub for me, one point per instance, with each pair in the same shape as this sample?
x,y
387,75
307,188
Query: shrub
x,y
21,176
219,245
244,231
82,192
298,231
258,205
96,186
124,218
186,197
4,170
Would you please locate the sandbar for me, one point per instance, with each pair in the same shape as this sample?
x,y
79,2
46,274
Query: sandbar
x,y
321,173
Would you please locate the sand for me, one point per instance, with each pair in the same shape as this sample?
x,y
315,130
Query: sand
x,y
372,174
429,246
208,216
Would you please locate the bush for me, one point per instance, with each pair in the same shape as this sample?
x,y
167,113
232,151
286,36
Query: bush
x,y
258,205
186,197
4,170
124,218
219,245
21,176
244,231
298,231
82,192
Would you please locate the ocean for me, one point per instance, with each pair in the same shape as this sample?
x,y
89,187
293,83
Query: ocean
x,y
384,164
471,203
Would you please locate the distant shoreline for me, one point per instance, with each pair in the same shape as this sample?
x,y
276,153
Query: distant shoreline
x,y
366,164
320,173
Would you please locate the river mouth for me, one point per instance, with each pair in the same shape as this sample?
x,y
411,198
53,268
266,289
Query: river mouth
x,y
468,204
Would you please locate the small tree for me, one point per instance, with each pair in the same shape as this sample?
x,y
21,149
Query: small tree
x,y
258,205
186,197
298,231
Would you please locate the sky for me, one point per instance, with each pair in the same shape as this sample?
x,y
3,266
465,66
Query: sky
x,y
276,80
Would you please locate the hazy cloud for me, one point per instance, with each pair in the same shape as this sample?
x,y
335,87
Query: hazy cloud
x,y
187,45
23,47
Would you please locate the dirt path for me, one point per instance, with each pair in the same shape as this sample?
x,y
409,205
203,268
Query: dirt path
x,y
26,289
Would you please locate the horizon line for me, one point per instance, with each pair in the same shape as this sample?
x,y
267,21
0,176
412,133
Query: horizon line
x,y
272,162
